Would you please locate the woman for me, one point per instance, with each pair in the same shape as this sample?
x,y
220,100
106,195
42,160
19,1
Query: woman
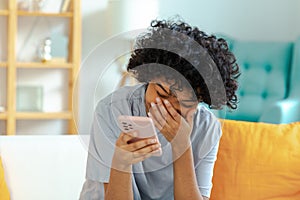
x,y
178,67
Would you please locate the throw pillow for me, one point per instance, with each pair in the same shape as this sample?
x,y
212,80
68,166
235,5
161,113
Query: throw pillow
x,y
257,161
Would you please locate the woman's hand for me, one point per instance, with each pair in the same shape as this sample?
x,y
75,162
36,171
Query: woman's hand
x,y
171,124
130,150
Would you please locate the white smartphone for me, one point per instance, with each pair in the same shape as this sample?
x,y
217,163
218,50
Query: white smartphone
x,y
144,126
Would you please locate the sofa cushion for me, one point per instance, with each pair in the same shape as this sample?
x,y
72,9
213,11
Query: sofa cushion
x,y
4,194
258,161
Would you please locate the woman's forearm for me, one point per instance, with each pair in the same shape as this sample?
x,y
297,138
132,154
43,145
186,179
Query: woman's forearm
x,y
185,183
119,186
128,151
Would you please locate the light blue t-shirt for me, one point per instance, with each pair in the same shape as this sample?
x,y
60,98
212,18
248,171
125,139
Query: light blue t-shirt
x,y
153,177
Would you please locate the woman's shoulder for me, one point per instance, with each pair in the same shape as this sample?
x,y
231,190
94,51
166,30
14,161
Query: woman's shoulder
x,y
205,116
207,128
122,100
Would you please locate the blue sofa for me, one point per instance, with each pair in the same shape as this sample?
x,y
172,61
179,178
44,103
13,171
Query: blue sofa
x,y
269,83
288,109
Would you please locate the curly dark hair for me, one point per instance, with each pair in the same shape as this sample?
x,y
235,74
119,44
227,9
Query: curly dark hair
x,y
200,59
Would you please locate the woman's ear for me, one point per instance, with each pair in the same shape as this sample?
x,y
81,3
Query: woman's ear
x,y
190,116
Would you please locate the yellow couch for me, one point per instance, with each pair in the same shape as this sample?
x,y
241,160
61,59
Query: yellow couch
x,y
257,161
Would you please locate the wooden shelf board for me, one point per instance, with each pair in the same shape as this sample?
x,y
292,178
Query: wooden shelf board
x,y
43,115
44,65
4,12
3,115
34,14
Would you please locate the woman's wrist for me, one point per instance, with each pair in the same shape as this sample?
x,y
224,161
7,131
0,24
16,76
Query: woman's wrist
x,y
179,147
119,162
121,166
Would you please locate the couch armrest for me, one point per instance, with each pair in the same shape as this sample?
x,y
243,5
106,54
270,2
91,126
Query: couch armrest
x,y
282,112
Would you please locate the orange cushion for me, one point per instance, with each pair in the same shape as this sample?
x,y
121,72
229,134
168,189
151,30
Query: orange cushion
x,y
258,161
4,194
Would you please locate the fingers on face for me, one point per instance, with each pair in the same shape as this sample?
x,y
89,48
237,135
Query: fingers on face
x,y
164,113
173,113
156,114
156,123
159,113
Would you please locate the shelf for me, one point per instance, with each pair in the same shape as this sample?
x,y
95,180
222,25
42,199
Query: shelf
x,y
17,22
3,115
43,14
44,115
45,65
3,64
3,12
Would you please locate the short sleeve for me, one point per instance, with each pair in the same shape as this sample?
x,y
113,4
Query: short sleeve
x,y
92,190
204,171
205,148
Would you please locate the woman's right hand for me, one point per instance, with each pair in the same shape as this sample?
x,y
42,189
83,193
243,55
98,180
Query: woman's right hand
x,y
130,150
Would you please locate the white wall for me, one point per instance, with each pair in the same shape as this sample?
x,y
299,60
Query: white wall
x,y
253,20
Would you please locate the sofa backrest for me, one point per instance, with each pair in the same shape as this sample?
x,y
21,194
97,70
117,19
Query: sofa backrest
x,y
265,69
